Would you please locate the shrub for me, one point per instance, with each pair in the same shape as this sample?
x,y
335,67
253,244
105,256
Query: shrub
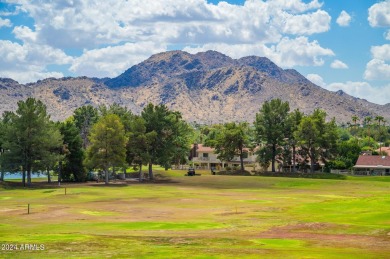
x,y
304,175
234,172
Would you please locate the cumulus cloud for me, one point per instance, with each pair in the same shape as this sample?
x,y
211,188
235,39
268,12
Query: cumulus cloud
x,y
363,90
344,19
30,75
316,79
26,63
311,23
287,53
77,24
379,14
337,64
5,23
25,34
111,61
296,6
377,69
278,29
299,52
381,52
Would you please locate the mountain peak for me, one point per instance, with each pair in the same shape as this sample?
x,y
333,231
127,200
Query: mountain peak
x,y
207,87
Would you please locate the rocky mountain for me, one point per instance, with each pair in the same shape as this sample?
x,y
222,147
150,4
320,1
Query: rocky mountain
x,y
207,87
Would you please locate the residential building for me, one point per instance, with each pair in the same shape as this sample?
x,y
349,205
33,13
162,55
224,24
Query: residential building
x,y
372,165
205,157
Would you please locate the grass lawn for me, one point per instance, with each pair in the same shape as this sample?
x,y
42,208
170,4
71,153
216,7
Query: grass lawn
x,y
199,217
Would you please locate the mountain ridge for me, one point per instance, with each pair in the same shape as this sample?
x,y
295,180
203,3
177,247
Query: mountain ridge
x,y
207,87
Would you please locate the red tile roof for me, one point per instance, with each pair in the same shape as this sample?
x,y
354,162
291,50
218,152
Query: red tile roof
x,y
373,162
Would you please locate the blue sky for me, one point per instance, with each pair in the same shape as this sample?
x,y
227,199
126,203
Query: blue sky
x,y
337,44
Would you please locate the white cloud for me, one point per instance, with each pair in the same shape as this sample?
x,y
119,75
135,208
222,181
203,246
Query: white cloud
x,y
387,35
377,69
363,90
25,33
379,14
381,52
5,23
29,76
299,52
311,23
90,24
296,6
27,63
258,27
344,19
287,53
316,79
111,61
337,64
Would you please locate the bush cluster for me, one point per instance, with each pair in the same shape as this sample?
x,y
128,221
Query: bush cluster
x,y
234,172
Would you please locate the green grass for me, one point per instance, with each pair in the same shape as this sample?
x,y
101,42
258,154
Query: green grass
x,y
201,217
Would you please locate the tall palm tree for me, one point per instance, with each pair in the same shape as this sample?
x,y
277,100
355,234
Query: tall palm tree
x,y
367,123
379,119
349,126
355,119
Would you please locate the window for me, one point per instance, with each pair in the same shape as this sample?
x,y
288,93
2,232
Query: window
x,y
245,155
205,154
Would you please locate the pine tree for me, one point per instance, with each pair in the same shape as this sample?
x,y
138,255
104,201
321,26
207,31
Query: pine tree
x,y
108,144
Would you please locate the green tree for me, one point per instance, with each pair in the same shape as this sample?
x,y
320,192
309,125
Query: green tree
x,y
316,137
108,144
7,162
355,119
231,140
293,121
381,136
348,152
84,118
166,125
264,157
52,156
2,139
125,116
73,166
30,137
140,144
367,125
270,125
181,139
379,119
123,113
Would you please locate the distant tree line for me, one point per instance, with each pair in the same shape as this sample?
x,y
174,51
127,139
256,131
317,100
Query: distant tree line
x,y
105,138
291,137
276,134
113,138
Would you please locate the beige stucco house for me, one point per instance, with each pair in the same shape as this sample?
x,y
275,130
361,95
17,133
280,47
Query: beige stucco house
x,y
205,157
